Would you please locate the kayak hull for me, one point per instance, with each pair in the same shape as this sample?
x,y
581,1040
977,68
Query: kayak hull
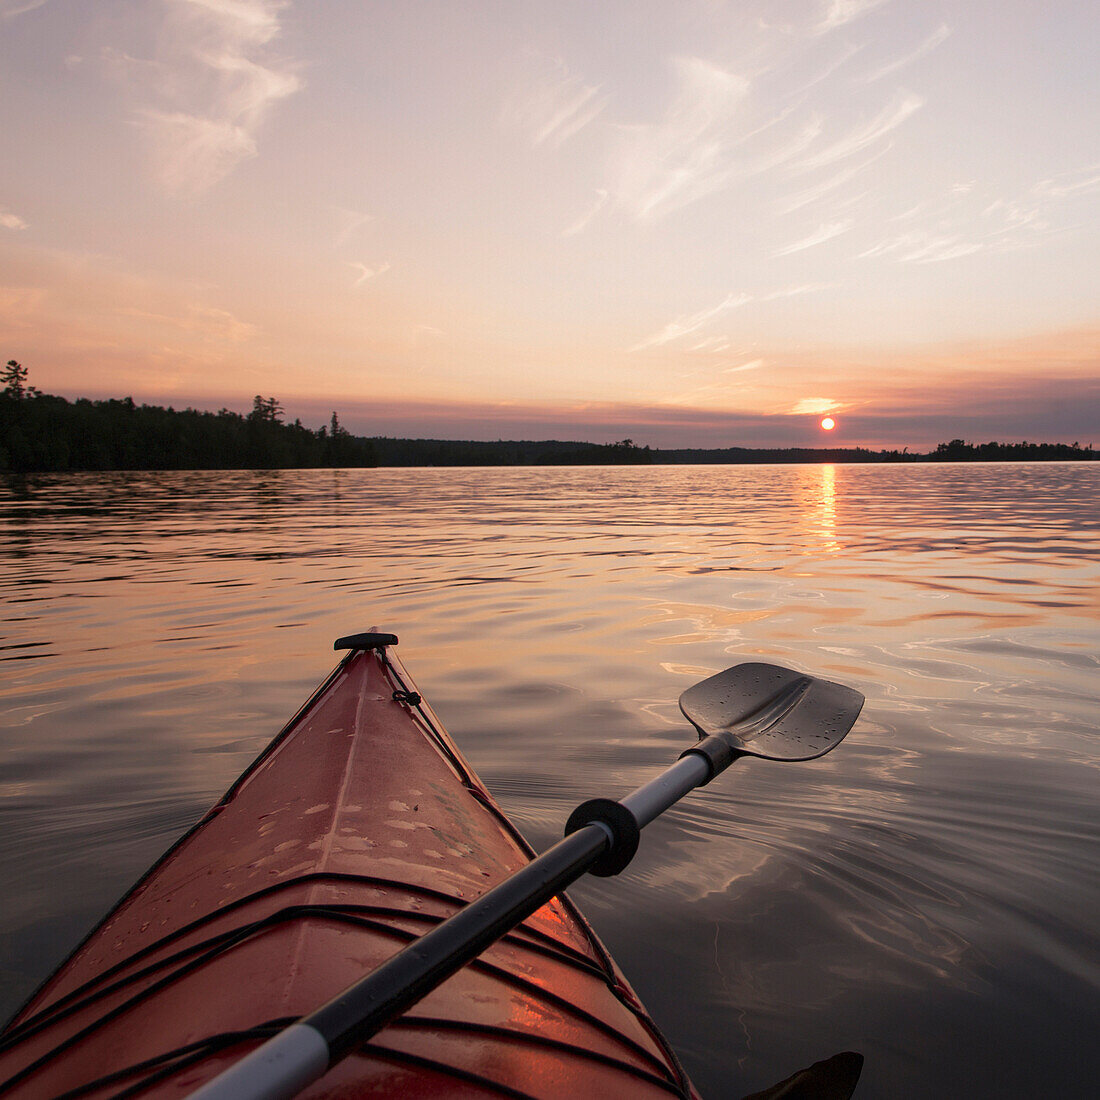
x,y
359,828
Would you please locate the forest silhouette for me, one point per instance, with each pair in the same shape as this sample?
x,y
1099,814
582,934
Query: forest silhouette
x,y
42,433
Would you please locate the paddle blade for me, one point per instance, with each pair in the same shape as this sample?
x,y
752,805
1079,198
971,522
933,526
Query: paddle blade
x,y
772,712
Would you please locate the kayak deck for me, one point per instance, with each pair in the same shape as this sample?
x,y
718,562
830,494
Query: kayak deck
x,y
359,828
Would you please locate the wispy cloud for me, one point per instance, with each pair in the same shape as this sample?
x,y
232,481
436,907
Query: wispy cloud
x,y
215,85
583,221
966,219
194,153
940,34
752,364
814,406
820,190
783,153
823,233
366,272
919,246
838,13
686,156
11,221
1015,215
556,107
9,9
712,345
889,118
1070,184
842,59
1045,205
686,324
720,127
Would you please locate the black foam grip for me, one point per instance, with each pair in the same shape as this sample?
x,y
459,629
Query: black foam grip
x,y
623,826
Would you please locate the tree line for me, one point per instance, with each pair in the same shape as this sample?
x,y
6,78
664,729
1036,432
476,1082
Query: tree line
x,y
960,451
40,432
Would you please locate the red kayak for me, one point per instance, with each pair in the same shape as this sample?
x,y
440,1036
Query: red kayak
x,y
358,829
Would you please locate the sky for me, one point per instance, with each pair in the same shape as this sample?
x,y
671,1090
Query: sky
x,y
686,222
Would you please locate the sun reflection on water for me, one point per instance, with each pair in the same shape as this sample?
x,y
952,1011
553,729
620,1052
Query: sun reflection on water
x,y
819,507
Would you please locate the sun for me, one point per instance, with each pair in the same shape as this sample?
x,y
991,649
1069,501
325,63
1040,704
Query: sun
x,y
828,423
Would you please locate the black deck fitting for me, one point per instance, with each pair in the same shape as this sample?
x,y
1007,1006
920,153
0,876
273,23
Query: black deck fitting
x,y
369,640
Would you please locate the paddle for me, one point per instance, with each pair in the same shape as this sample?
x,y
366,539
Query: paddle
x,y
748,710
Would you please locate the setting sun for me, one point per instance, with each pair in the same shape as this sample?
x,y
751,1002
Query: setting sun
x,y
828,423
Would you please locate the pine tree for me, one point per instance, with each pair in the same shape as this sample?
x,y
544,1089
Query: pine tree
x,y
15,380
265,409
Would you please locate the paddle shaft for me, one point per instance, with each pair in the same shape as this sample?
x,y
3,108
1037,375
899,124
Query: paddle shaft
x,y
650,801
305,1051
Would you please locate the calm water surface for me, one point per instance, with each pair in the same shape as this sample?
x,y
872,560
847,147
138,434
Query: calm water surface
x,y
928,894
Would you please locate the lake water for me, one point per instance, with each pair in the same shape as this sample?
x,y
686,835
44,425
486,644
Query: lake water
x,y
929,894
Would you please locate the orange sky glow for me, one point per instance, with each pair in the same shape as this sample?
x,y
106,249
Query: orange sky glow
x,y
469,221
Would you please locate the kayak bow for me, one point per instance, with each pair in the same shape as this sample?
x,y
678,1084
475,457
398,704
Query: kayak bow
x,y
360,847
358,829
